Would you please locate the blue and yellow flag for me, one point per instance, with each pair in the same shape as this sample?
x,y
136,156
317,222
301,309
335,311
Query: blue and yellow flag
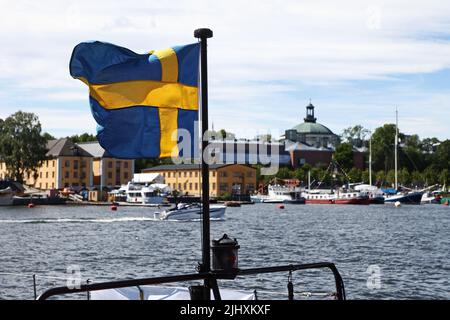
x,y
139,101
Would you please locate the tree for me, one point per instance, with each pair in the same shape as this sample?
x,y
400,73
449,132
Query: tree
x,y
284,173
344,155
441,158
85,137
383,140
355,135
48,136
355,175
22,147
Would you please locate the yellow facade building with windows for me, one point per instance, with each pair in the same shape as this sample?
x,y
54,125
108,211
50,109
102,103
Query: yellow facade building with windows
x,y
223,178
76,165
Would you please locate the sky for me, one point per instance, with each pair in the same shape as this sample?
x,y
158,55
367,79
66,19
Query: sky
x,y
356,60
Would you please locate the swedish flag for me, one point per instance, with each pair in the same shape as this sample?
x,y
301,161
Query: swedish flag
x,y
139,101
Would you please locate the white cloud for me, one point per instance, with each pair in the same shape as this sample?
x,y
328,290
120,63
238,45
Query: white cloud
x,y
262,55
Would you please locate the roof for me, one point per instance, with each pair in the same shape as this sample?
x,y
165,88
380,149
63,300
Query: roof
x,y
65,147
313,128
188,167
94,148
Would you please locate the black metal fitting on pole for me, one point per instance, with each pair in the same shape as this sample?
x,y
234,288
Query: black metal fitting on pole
x,y
203,34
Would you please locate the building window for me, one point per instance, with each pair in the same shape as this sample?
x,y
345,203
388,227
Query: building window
x,y
83,175
168,174
40,185
66,174
196,174
46,174
179,174
40,174
83,163
75,174
179,186
190,186
46,185
46,163
110,164
67,163
249,174
75,164
125,175
54,163
53,185
109,175
185,186
214,186
223,187
125,164
118,163
222,174
213,173
185,174
237,174
190,174
196,186
53,174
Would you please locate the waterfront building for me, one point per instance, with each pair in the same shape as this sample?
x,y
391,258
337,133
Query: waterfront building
x,y
233,179
107,171
69,164
313,143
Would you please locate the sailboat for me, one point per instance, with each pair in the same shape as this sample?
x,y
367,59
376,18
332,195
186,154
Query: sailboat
x,y
375,194
405,197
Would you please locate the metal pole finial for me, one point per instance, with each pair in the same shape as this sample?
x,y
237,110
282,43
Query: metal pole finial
x,y
203,33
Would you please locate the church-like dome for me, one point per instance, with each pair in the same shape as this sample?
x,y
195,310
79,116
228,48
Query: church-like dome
x,y
312,128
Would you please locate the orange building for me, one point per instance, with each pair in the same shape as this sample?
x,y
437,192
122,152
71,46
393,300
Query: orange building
x,y
223,178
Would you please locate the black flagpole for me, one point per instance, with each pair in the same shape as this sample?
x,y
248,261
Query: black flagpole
x,y
204,34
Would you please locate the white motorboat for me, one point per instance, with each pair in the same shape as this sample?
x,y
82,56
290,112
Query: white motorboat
x,y
190,212
277,194
146,194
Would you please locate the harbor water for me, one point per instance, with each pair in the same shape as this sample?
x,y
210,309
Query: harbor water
x,y
382,252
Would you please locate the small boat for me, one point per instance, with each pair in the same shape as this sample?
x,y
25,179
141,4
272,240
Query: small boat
x,y
184,211
277,194
375,194
146,194
414,197
8,190
351,197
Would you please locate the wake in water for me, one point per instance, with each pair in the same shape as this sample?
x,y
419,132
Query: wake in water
x,y
80,220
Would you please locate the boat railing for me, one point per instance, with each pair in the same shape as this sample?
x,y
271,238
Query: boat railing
x,y
211,277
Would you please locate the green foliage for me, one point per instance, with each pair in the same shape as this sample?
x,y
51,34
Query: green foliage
x,y
85,137
344,156
355,135
22,147
224,197
284,173
355,175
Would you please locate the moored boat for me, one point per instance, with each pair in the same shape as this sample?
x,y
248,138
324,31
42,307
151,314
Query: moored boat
x,y
352,197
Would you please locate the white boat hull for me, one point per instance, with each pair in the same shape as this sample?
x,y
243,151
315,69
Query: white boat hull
x,y
163,293
215,212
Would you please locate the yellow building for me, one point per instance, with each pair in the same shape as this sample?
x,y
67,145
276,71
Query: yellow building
x,y
108,171
73,165
223,178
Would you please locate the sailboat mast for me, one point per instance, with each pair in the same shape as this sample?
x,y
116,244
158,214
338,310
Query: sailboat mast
x,y
203,35
370,160
396,147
